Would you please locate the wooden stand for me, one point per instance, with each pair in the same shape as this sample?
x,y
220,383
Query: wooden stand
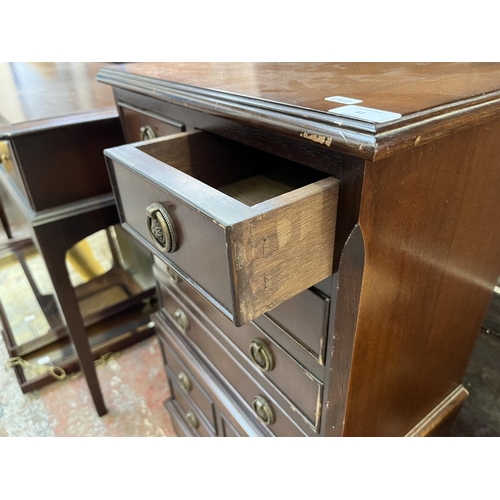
x,y
53,174
54,236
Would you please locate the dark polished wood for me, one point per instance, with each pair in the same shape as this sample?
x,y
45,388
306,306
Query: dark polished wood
x,y
266,214
189,383
287,340
403,87
305,318
37,92
139,125
432,245
55,120
4,220
342,331
71,157
300,386
191,414
175,345
416,252
434,99
239,371
439,422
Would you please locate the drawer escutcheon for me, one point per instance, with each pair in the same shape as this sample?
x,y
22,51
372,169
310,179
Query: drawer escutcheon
x,y
161,228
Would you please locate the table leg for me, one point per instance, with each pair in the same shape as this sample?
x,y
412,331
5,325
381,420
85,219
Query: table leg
x,y
53,248
5,221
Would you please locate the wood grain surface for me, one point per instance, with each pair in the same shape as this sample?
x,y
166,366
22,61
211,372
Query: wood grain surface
x,y
39,92
417,246
296,383
399,87
283,250
276,248
441,419
433,99
432,257
174,345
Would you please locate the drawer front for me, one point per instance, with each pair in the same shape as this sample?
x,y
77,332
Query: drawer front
x,y
188,382
222,360
245,228
302,333
305,318
140,125
182,429
299,386
173,345
210,272
192,416
227,430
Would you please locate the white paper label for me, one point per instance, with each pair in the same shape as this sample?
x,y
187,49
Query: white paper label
x,y
342,100
366,114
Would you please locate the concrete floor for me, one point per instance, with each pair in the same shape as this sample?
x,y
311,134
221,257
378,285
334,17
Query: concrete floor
x,y
134,387
480,414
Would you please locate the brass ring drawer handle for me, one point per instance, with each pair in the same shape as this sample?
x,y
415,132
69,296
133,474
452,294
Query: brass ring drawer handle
x,y
147,133
181,320
263,410
192,419
172,275
184,381
261,355
161,228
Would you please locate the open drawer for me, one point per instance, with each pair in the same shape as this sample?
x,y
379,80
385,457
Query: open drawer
x,y
247,229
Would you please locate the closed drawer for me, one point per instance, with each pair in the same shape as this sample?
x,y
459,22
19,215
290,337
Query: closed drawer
x,y
225,404
299,325
305,318
300,387
227,430
234,369
247,229
140,125
192,416
188,382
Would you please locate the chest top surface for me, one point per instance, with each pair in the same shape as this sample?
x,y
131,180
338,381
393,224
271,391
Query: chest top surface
x,y
41,95
370,110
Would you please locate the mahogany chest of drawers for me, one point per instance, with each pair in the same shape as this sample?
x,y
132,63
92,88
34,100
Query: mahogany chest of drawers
x,y
324,245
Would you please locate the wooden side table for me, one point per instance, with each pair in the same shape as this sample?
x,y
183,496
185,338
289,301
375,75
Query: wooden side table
x,y
55,121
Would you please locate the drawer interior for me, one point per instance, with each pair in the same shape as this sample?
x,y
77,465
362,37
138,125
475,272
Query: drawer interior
x,y
266,224
247,175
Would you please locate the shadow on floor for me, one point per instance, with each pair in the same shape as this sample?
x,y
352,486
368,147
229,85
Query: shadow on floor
x,y
480,414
